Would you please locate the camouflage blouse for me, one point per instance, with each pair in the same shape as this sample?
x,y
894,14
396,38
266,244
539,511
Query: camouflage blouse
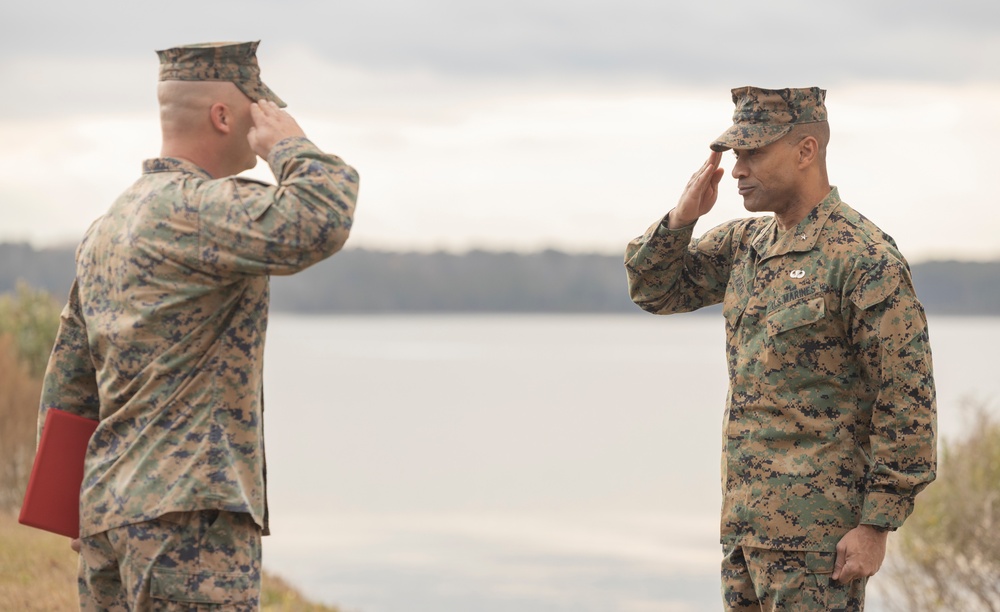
x,y
163,336
831,415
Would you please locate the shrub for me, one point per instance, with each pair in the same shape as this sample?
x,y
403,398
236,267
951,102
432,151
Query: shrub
x,y
29,320
947,556
32,318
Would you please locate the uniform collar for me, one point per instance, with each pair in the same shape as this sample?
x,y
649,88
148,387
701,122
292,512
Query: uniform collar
x,y
769,243
173,164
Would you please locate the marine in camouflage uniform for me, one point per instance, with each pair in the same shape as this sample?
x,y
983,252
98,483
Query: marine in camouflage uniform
x,y
830,416
162,339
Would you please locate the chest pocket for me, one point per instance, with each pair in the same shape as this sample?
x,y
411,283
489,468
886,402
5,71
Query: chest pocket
x,y
736,299
797,315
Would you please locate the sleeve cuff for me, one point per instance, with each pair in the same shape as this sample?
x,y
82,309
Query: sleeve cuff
x,y
284,150
886,509
663,231
665,225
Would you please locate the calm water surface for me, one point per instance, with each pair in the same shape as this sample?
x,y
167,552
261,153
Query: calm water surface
x,y
516,463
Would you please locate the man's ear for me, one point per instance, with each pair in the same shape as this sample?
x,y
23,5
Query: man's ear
x,y
808,151
220,117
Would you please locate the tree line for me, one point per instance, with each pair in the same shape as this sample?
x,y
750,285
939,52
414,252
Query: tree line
x,y
368,281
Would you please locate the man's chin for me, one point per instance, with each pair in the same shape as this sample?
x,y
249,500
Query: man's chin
x,y
754,204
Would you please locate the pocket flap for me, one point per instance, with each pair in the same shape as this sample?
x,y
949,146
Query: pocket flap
x,y
820,562
797,315
255,196
199,587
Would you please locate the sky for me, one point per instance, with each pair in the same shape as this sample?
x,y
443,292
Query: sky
x,y
526,124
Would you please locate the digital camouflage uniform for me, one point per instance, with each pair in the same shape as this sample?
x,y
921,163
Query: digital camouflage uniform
x,y
181,561
162,340
830,414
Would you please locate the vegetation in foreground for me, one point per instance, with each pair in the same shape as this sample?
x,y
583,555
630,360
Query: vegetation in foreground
x,y
947,555
29,320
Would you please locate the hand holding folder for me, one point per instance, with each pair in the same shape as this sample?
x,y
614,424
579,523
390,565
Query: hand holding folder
x,y
52,500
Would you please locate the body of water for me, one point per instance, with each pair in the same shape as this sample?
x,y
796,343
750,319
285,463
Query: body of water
x,y
481,463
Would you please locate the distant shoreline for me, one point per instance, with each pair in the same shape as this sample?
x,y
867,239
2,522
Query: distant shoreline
x,y
361,281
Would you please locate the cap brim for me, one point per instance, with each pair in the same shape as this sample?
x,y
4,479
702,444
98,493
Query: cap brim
x,y
260,91
750,136
273,97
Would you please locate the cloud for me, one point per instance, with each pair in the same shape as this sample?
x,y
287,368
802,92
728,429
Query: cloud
x,y
467,119
721,42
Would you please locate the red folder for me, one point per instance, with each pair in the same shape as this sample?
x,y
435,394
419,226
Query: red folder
x,y
52,501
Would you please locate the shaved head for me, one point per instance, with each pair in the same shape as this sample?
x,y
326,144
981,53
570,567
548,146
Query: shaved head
x,y
184,105
206,122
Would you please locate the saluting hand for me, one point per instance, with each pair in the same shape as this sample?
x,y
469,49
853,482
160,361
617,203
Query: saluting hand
x,y
700,194
271,125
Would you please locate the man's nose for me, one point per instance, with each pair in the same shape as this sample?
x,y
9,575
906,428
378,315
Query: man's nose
x,y
740,169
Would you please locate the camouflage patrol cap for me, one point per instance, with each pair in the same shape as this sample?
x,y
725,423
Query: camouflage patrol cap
x,y
762,116
233,62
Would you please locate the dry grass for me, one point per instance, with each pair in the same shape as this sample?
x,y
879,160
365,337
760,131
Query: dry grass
x,y
37,569
278,596
38,573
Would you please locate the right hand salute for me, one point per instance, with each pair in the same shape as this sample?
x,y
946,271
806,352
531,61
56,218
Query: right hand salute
x,y
271,125
700,194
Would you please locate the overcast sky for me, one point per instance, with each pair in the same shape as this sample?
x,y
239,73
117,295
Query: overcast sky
x,y
522,125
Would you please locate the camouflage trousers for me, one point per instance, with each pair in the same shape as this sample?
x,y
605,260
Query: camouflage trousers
x,y
191,561
771,580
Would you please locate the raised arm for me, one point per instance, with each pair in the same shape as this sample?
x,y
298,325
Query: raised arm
x,y
667,271
252,228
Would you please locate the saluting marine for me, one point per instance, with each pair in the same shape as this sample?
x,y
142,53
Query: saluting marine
x,y
830,422
163,336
